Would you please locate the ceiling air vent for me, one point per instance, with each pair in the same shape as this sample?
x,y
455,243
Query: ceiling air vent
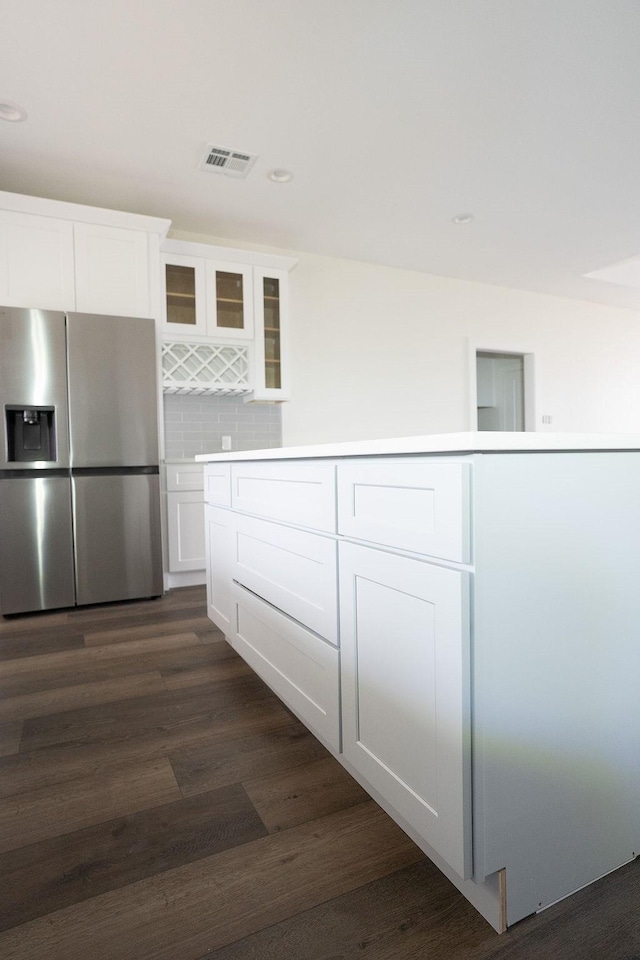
x,y
232,163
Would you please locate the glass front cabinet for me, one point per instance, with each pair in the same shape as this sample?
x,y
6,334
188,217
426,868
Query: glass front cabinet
x,y
220,300
271,353
184,296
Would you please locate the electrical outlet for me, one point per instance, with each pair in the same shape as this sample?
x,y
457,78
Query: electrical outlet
x,y
226,443
546,418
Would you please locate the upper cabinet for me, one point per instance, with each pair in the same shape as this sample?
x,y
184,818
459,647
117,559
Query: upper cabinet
x,y
64,256
112,270
235,302
271,358
204,298
183,297
223,312
36,262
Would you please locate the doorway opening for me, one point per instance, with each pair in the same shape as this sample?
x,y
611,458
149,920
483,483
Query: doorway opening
x,y
500,390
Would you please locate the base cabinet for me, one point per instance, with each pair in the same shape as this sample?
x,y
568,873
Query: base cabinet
x,y
185,512
302,668
185,522
219,535
405,691
482,681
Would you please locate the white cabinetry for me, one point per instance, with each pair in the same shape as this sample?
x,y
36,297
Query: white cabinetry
x,y
404,628
205,298
185,519
219,552
285,627
487,653
36,261
112,270
405,691
64,256
235,302
271,353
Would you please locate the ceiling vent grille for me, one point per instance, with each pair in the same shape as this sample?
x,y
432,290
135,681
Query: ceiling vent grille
x,y
232,163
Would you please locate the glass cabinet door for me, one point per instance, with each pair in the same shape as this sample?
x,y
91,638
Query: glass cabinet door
x,y
271,380
230,300
272,348
184,295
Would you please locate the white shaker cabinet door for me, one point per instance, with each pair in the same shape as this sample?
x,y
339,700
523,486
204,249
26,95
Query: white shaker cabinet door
x,y
36,262
405,691
112,270
185,521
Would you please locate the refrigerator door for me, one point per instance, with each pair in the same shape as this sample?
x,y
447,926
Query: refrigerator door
x,y
33,374
36,559
112,390
117,529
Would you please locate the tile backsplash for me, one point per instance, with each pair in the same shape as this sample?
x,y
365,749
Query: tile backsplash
x,y
194,425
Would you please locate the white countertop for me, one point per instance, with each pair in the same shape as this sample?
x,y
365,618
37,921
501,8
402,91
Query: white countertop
x,y
481,442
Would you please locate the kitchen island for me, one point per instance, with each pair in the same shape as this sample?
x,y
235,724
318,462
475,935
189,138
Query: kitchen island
x,y
456,617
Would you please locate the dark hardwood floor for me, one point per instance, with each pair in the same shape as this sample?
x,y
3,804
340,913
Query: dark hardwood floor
x,y
157,802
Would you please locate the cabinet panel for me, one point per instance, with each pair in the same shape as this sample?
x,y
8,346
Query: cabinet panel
x,y
405,691
418,506
217,484
229,299
301,668
292,569
219,553
185,515
271,304
185,476
184,310
300,493
36,262
112,270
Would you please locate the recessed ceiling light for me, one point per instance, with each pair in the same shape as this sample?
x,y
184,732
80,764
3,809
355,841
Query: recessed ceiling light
x,y
12,112
462,218
280,176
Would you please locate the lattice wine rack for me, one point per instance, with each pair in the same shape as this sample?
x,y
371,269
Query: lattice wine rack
x,y
205,369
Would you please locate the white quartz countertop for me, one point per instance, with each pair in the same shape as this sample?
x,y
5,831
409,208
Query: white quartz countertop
x,y
482,442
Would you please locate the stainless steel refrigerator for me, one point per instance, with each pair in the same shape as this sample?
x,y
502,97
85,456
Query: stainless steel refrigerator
x,y
79,475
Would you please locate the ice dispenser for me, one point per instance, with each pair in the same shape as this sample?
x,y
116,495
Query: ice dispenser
x,y
30,433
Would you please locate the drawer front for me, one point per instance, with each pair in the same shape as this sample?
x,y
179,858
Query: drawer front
x,y
184,476
299,667
421,506
294,570
217,484
292,492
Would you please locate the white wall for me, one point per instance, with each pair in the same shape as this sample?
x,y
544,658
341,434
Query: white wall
x,y
381,352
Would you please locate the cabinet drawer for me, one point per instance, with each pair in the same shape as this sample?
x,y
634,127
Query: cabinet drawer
x,y
299,667
294,570
217,484
184,476
421,506
293,492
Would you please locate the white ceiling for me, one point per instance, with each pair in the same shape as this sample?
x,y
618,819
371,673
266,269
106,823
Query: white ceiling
x,y
394,116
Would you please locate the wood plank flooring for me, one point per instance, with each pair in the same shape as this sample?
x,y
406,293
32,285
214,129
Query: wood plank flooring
x,y
157,802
